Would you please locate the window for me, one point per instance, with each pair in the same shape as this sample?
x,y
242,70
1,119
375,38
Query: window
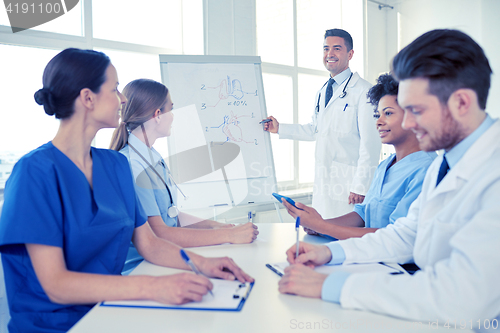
x,y
24,124
326,15
279,100
308,86
131,35
160,20
275,40
290,43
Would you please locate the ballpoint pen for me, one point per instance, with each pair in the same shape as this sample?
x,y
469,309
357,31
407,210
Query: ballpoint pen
x,y
191,265
297,224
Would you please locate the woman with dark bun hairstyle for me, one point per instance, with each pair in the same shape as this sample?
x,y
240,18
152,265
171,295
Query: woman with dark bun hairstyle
x,y
63,80
70,212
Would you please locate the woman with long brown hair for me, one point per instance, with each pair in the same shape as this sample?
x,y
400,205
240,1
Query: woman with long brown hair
x,y
146,117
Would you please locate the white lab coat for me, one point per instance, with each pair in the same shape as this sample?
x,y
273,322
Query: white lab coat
x,y
453,233
347,146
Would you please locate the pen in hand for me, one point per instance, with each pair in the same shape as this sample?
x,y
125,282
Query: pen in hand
x,y
191,265
297,225
265,121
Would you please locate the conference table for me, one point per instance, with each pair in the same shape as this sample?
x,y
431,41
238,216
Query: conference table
x,y
266,310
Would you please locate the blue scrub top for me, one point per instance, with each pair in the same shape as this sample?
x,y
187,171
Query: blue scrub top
x,y
394,188
150,190
49,201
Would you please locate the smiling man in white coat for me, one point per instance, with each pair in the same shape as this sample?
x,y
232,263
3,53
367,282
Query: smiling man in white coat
x,y
452,230
347,142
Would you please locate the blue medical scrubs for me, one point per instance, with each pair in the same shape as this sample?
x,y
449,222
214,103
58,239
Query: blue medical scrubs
x,y
394,188
49,201
150,190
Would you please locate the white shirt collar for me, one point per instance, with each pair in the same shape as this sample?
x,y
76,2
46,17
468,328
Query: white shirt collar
x,y
341,77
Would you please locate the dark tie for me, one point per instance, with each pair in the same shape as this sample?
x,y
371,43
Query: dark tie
x,y
443,169
329,91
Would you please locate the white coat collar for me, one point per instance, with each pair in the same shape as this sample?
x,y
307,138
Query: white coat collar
x,y
473,159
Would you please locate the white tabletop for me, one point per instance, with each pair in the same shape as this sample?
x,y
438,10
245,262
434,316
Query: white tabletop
x,y
266,310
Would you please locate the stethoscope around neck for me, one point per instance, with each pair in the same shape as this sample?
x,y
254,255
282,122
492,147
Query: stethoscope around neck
x,y
342,95
172,211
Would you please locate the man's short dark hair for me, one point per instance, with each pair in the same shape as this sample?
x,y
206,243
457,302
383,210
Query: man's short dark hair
x,y
386,85
450,60
340,33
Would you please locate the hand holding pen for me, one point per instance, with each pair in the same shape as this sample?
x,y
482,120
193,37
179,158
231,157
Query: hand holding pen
x,y
271,125
297,225
222,268
191,265
309,254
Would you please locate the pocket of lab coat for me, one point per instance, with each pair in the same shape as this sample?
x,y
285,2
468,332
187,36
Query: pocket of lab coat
x,y
344,120
443,231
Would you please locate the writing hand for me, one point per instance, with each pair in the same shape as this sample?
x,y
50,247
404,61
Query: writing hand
x,y
180,288
272,126
309,254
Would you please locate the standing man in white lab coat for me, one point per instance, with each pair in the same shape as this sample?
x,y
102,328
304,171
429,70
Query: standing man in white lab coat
x,y
347,142
452,229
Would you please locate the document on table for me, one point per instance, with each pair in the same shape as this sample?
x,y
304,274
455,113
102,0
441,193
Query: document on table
x,y
279,268
228,296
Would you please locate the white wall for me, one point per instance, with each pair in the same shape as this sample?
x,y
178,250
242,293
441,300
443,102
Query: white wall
x,y
477,18
377,37
419,16
490,26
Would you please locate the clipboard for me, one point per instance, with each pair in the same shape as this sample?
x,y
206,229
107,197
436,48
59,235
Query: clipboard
x,y
228,296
